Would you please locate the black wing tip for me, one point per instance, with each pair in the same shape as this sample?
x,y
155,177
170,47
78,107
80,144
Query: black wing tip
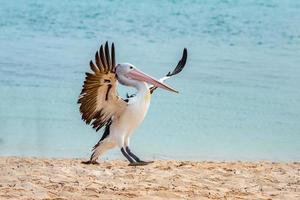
x,y
184,56
91,63
113,56
108,56
106,44
101,47
184,53
112,47
180,64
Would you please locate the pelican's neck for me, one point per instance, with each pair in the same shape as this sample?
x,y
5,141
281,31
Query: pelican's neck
x,y
142,88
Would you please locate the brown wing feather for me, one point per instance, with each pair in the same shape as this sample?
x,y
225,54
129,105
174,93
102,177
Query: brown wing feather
x,y
94,67
99,101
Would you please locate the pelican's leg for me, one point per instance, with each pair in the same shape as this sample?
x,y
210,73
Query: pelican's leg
x,y
127,156
132,161
121,142
132,155
134,158
126,145
138,160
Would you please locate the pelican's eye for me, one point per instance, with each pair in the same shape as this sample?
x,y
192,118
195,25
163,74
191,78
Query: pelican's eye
x,y
130,67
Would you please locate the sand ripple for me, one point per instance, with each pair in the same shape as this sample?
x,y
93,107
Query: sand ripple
x,y
60,179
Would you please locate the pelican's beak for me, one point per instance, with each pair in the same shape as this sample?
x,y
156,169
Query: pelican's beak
x,y
141,76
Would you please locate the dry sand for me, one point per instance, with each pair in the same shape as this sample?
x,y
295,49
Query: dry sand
x,y
36,178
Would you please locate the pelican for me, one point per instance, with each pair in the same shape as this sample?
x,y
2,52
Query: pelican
x,y
102,107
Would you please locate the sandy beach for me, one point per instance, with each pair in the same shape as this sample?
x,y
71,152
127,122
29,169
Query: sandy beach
x,y
37,178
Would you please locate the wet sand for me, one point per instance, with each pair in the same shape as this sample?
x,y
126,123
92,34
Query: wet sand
x,y
39,178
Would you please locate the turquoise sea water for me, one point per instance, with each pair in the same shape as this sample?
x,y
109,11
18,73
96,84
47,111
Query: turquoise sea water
x,y
239,93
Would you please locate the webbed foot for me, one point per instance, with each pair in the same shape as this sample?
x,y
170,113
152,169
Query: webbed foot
x,y
90,162
140,163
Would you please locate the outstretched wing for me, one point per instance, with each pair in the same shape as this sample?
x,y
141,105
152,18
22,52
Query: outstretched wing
x,y
177,69
99,101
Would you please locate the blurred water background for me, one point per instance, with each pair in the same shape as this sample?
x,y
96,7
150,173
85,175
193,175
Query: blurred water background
x,y
239,93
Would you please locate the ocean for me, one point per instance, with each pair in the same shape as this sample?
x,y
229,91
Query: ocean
x,y
239,94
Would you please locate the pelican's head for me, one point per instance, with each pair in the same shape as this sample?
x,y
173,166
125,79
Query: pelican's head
x,y
129,75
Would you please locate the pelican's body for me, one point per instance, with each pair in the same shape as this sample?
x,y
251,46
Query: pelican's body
x,y
137,109
101,105
123,127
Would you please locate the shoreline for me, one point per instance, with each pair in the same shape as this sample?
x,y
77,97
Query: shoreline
x,y
57,178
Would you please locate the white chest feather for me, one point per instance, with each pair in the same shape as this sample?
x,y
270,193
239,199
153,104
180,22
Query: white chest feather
x,y
138,107
135,112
